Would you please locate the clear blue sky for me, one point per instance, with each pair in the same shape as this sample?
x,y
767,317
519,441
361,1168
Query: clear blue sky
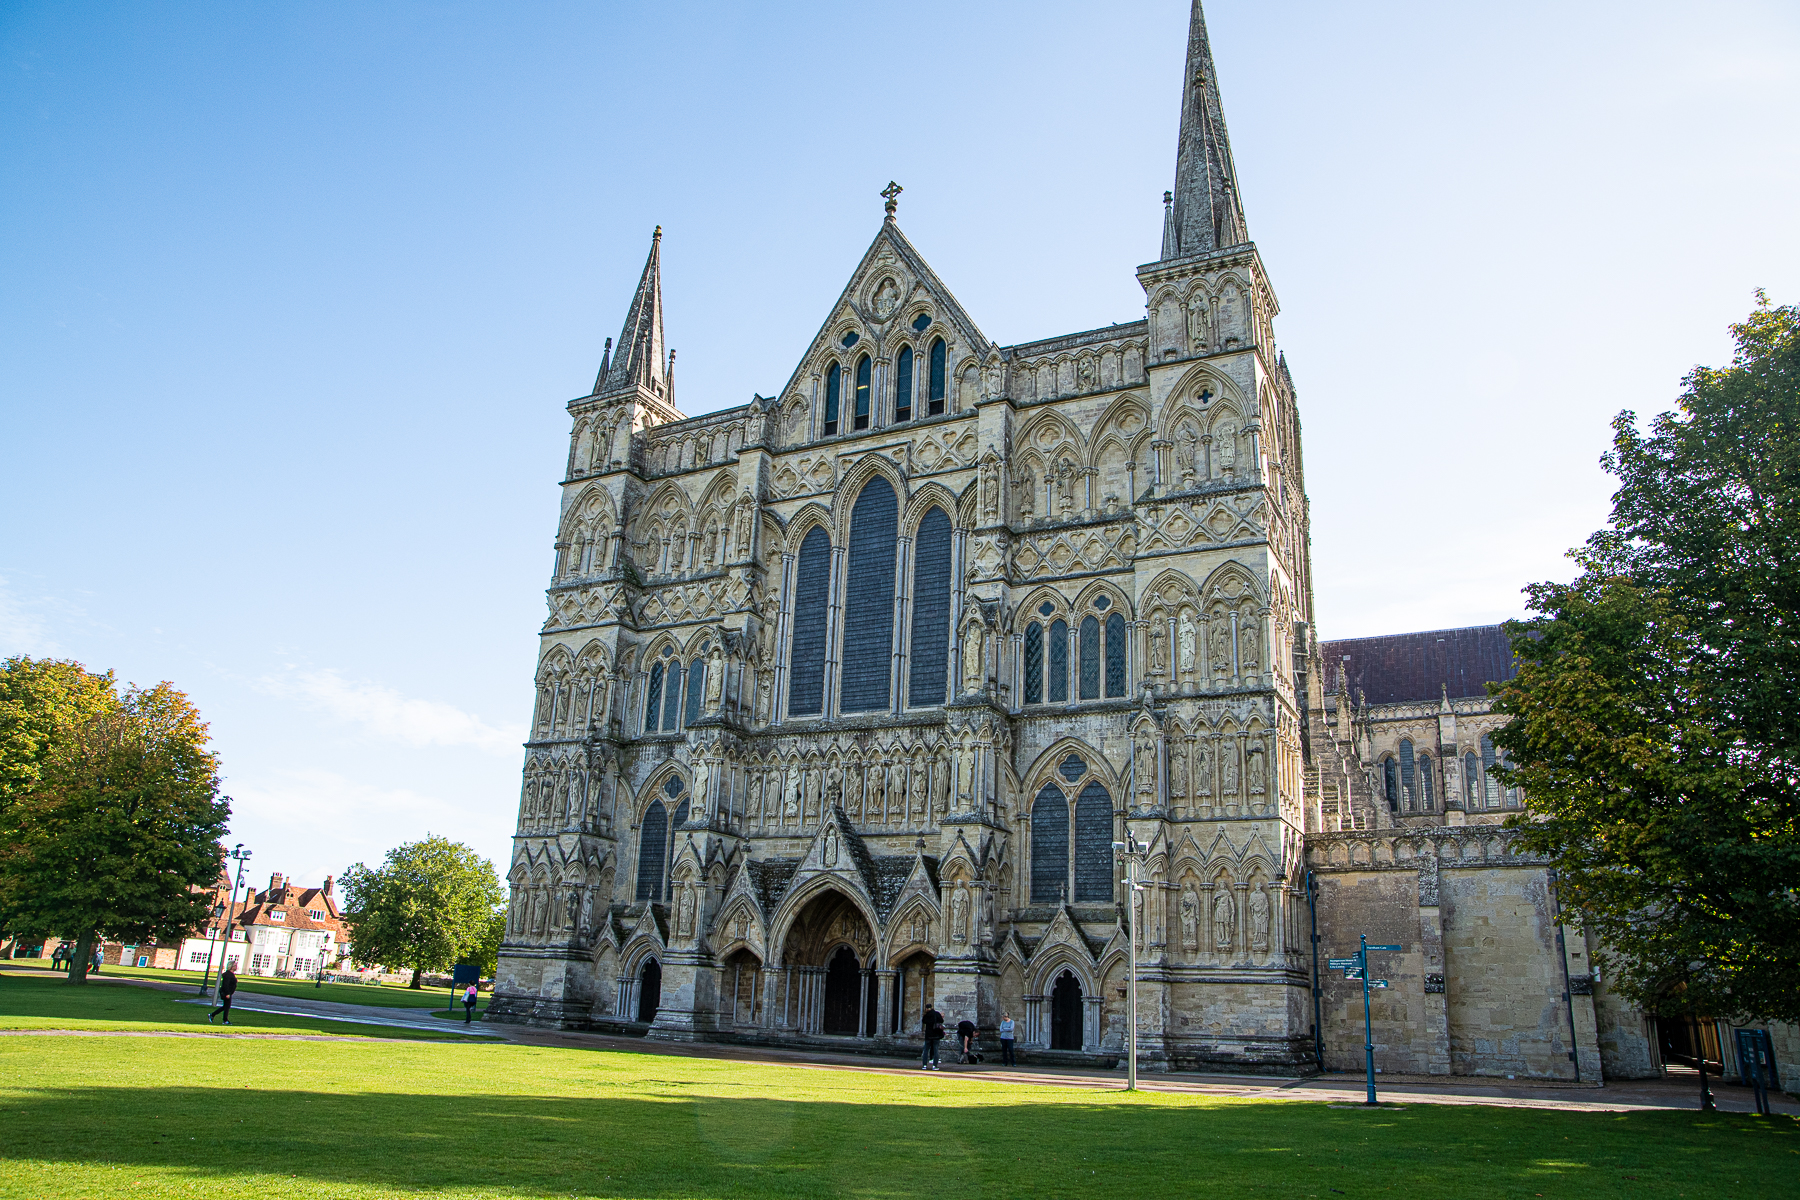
x,y
292,296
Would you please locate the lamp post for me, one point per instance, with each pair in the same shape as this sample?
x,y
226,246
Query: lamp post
x,y
1133,856
242,856
324,950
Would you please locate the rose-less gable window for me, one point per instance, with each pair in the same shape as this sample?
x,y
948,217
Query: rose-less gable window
x,y
863,373
834,395
903,385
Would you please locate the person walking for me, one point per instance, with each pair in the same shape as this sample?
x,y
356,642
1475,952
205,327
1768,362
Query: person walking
x,y
965,1034
934,1033
469,1004
227,989
1006,1041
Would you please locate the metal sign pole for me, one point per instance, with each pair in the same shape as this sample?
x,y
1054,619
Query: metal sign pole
x,y
1131,979
1362,955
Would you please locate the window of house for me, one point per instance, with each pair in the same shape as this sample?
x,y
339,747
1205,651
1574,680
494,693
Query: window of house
x,y
834,396
260,963
812,590
276,914
929,664
863,402
903,384
934,395
196,957
869,605
317,914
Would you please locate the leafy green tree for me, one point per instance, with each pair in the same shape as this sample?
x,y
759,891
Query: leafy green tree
x,y
112,809
430,905
1653,723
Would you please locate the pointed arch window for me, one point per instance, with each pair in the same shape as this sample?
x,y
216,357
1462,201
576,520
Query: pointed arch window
x,y
903,385
1471,780
653,849
812,590
1049,846
1427,789
1390,783
1034,663
930,648
1408,781
1491,785
1089,666
1115,655
1093,844
653,698
869,605
834,397
934,397
671,714
1059,661
696,685
864,375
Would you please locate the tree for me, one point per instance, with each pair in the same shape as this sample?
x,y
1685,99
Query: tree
x,y
1652,727
112,812
429,905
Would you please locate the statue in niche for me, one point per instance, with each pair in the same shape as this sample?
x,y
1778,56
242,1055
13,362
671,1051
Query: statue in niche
x,y
1177,768
830,855
746,514
1137,917
1065,487
921,928
702,790
1202,770
1190,920
1189,454
715,677
974,666
1219,635
990,490
537,912
743,925
1190,638
834,788
987,916
887,299
959,914
1247,646
1027,483
1257,774
1156,647
765,695
1224,919
1228,770
1198,323
1225,448
1260,909
1144,764
684,923
791,810
712,545
877,807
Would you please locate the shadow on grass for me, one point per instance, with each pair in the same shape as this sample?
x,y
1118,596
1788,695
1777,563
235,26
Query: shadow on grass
x,y
663,1140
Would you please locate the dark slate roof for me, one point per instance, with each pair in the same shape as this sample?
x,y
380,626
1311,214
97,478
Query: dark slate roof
x,y
770,878
1413,667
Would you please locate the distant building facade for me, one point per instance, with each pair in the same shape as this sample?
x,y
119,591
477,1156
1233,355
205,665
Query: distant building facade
x,y
283,930
845,695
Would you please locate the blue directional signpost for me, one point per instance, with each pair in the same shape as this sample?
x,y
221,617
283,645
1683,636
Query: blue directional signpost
x,y
1358,968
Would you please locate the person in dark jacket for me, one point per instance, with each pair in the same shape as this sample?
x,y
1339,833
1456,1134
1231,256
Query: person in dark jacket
x,y
469,997
934,1033
965,1033
227,989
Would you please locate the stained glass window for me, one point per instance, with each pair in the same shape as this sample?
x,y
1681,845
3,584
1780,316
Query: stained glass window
x,y
653,842
653,699
1059,661
1093,844
862,392
1034,663
696,686
1049,846
1115,655
834,395
812,585
934,399
1090,658
903,384
930,650
869,604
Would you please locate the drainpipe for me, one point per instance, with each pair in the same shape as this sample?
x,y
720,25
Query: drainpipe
x,y
1562,953
1312,905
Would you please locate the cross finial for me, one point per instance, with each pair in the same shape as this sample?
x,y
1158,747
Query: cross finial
x,y
1168,199
892,194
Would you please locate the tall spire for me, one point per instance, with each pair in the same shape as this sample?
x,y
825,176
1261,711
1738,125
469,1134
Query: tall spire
x,y
639,357
1208,212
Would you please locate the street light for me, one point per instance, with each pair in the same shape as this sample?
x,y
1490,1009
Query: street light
x,y
1133,856
242,856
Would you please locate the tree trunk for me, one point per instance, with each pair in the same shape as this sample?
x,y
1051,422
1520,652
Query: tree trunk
x,y
417,972
84,955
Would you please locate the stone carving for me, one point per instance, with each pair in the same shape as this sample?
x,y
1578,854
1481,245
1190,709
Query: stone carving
x,y
1190,920
887,299
974,672
1259,918
959,915
743,925
791,808
1202,770
990,490
1228,770
685,913
1178,775
987,916
1258,776
1156,650
830,855
921,928
1189,638
1224,917
1026,491
715,677
1144,764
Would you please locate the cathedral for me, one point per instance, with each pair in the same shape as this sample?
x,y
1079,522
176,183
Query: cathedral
x,y
854,700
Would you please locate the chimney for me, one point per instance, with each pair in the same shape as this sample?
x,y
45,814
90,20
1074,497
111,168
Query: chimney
x,y
275,882
327,888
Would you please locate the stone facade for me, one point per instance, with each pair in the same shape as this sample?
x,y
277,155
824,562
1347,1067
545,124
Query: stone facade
x,y
845,695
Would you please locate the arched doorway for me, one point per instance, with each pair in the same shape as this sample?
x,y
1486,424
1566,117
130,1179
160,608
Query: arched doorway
x,y
649,990
843,993
1065,1013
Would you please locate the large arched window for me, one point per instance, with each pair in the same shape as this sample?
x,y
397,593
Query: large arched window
x,y
1049,846
671,714
1390,783
1409,784
864,402
1071,846
696,685
1059,661
1115,655
653,848
903,384
812,593
1427,788
1088,667
1471,781
934,399
869,600
930,643
834,397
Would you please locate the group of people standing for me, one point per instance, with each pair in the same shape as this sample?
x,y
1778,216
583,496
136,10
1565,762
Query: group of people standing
x,y
965,1036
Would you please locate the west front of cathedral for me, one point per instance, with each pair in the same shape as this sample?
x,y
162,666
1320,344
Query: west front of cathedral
x,y
847,694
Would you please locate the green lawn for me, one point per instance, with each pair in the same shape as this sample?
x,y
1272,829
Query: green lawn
x,y
384,995
349,1119
50,1002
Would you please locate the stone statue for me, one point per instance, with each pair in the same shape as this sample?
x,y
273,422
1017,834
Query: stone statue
x,y
1178,776
887,299
1202,770
1190,920
1228,768
959,915
1156,648
702,789
791,810
1144,765
1065,486
685,923
987,915
990,490
1189,636
746,513
1220,636
715,676
743,925
1137,916
830,854
1224,918
1247,647
1257,773
974,665
1259,918
1225,448
1026,491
